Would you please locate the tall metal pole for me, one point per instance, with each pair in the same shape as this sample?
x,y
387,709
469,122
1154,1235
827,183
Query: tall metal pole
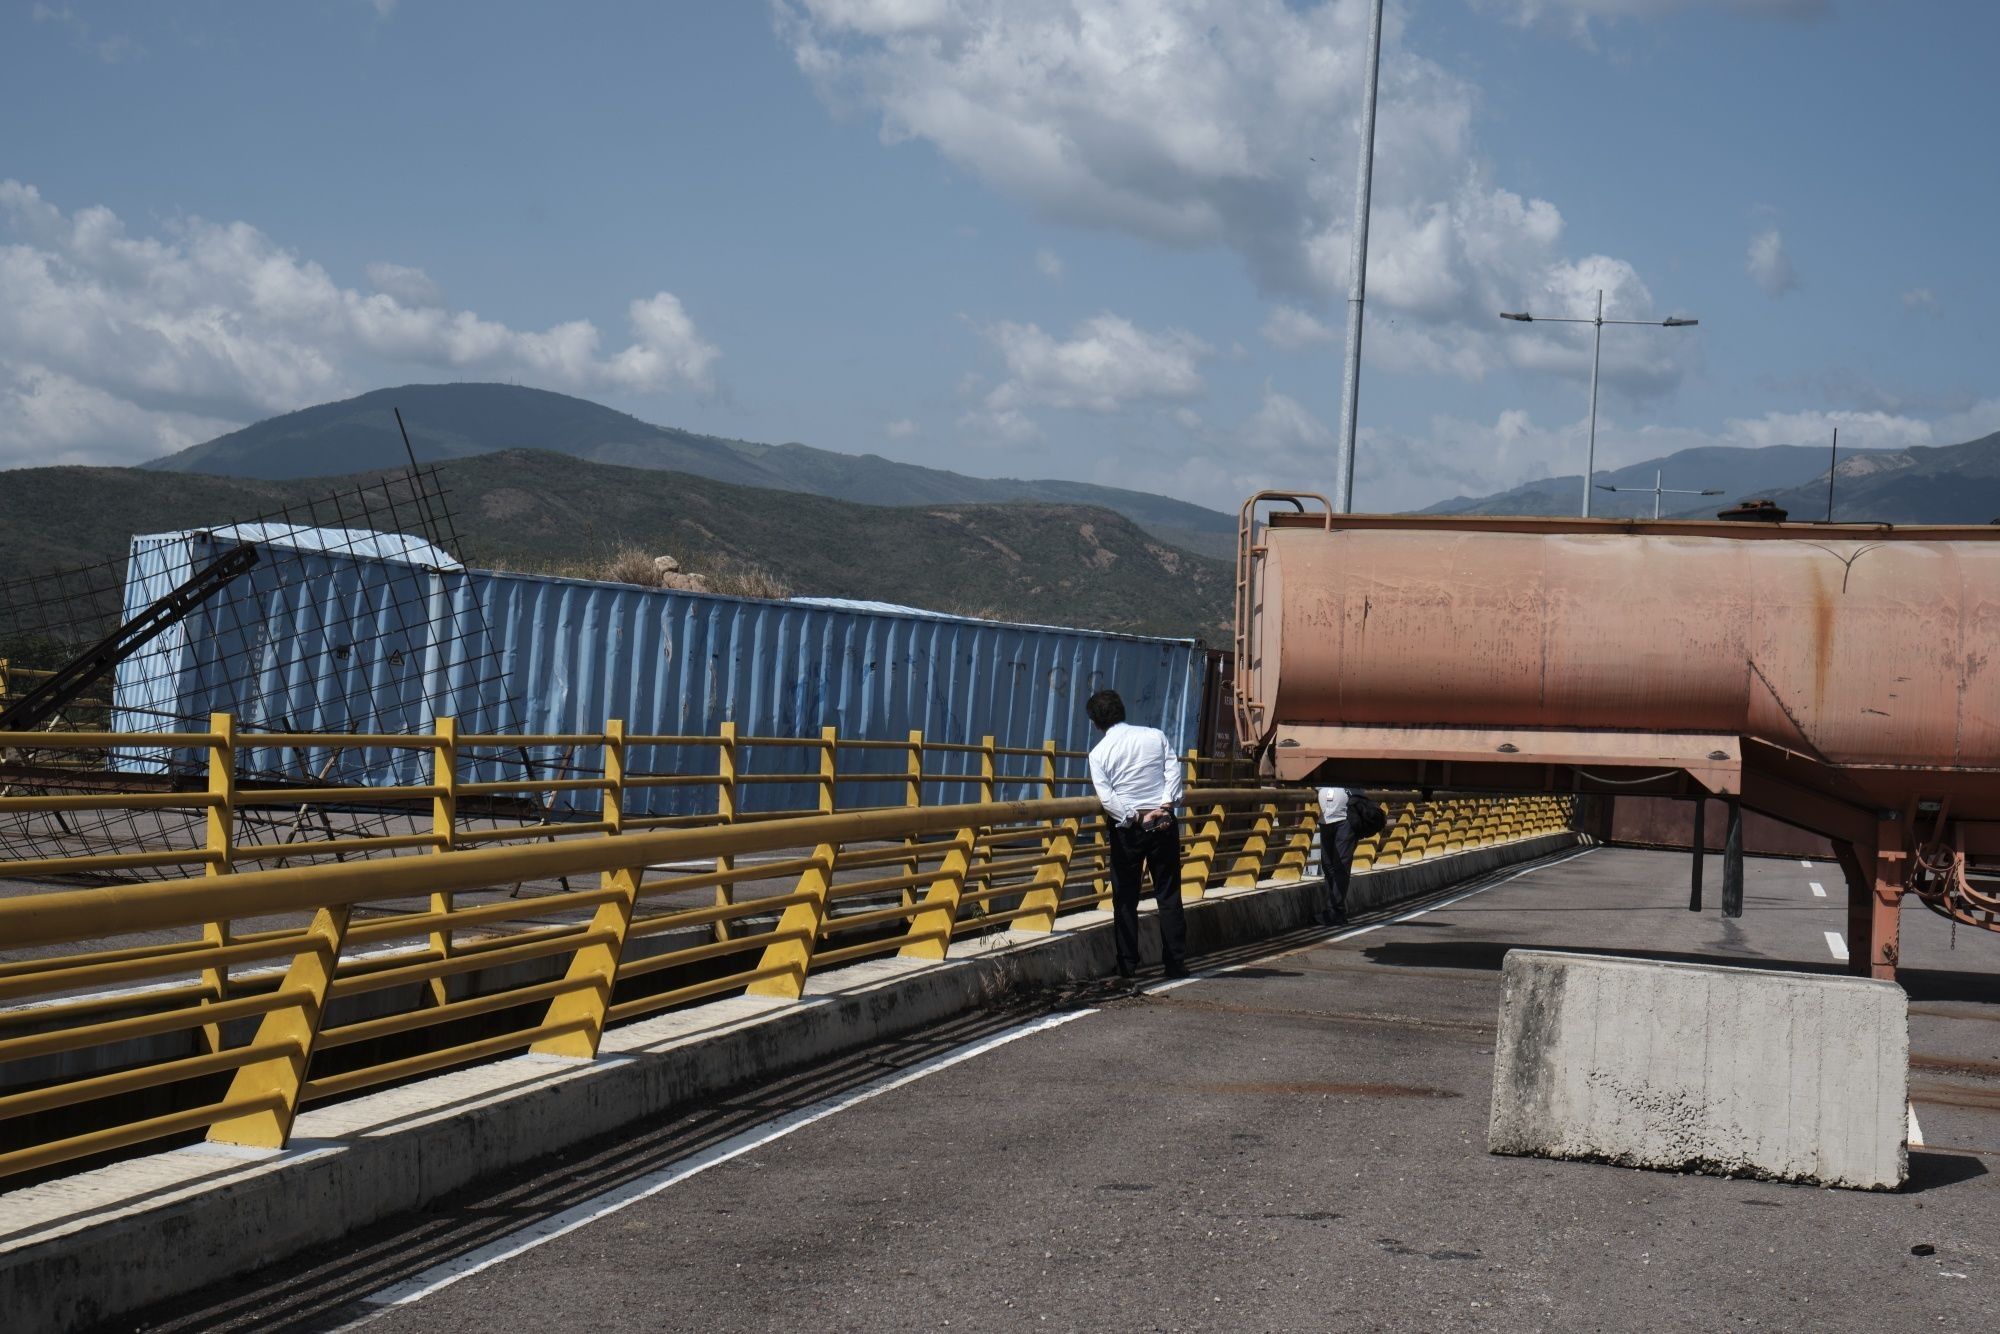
x,y
1357,288
1831,460
1596,348
1659,489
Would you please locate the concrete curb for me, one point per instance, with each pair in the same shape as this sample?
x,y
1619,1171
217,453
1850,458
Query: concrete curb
x,y
102,1243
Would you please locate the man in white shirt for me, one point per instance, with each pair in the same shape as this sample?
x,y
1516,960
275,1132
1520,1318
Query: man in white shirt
x,y
1336,853
1139,781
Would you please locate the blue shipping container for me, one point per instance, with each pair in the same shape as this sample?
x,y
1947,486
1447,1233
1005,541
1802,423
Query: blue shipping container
x,y
383,640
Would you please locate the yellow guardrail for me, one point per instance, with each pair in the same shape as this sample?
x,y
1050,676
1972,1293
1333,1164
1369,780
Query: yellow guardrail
x,y
442,812
226,1002
853,885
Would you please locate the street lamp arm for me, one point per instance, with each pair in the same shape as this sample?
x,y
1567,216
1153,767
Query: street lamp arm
x,y
1596,356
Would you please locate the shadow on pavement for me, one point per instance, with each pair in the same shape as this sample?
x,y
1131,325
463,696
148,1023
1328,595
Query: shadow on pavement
x,y
1930,1170
1488,955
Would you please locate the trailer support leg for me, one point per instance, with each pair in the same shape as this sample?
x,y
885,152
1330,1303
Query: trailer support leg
x,y
1700,852
1874,901
1732,862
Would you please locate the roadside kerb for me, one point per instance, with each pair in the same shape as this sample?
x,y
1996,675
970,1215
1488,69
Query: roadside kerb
x,y
98,1244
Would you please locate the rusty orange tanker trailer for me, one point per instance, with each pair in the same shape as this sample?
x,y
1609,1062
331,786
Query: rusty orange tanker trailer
x,y
1843,678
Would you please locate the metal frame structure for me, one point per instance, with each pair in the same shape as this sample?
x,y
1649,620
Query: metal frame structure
x,y
1943,826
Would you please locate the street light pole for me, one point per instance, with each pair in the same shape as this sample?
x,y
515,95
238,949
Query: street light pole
x,y
1357,285
1596,351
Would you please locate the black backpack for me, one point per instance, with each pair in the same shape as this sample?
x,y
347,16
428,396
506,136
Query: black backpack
x,y
1365,814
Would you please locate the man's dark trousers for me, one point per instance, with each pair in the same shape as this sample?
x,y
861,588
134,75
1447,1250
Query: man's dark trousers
x,y
1336,855
1135,852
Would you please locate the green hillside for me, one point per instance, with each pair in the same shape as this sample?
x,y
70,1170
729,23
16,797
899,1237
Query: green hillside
x,y
1029,561
452,421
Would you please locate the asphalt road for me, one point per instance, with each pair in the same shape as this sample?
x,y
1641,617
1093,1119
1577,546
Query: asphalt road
x,y
1294,1142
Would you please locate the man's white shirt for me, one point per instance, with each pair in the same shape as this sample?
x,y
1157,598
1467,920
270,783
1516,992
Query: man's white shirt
x,y
1135,769
1332,804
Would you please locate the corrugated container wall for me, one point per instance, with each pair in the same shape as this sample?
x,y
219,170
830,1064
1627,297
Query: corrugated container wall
x,y
523,653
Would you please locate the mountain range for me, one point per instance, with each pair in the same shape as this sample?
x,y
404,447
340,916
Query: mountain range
x,y
456,421
537,511
598,481
1927,484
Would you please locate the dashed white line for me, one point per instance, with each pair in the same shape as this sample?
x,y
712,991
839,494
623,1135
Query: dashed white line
x,y
1460,898
1836,946
1807,865
610,1202
1819,890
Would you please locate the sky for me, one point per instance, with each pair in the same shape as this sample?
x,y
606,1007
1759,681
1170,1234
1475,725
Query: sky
x,y
1098,240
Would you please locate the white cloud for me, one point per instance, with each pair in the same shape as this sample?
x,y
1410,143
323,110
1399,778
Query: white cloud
x,y
900,429
1923,299
111,50
1770,264
1290,328
114,347
1219,123
412,287
1107,363
1050,263
1530,11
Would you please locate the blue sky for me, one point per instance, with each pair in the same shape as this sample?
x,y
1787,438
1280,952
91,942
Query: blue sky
x,y
1096,239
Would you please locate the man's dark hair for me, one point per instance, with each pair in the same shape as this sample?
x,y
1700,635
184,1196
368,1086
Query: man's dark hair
x,y
1105,708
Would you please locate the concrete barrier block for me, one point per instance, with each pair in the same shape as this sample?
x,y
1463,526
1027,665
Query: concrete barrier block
x,y
1731,1071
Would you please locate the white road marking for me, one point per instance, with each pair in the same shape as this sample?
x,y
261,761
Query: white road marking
x,y
1807,865
1413,916
1819,890
439,1276
1836,946
1916,1135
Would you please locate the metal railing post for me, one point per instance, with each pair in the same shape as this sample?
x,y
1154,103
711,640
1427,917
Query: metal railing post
x,y
1100,882
988,772
1043,899
444,829
593,970
1199,864
913,797
797,932
277,1080
1298,848
829,744
611,806
725,813
1248,867
219,834
929,934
